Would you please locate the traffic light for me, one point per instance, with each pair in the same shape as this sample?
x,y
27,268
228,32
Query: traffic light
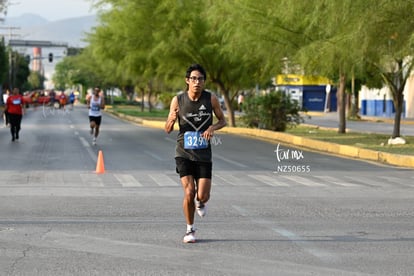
x,y
50,57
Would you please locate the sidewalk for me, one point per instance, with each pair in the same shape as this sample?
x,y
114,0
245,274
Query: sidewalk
x,y
327,120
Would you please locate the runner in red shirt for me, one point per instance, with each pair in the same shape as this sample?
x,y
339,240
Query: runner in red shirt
x,y
62,100
15,110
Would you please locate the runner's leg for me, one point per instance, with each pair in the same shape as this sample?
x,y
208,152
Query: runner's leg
x,y
188,185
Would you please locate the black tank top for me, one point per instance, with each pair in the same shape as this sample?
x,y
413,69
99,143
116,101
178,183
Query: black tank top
x,y
194,116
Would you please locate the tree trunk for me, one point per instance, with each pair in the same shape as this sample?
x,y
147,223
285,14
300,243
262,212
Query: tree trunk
x,y
398,104
353,112
149,95
230,115
142,90
230,111
342,104
229,107
397,124
398,96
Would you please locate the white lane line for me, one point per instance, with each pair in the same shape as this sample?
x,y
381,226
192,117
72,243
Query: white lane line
x,y
304,181
171,140
91,179
335,181
215,155
364,181
242,211
225,179
272,181
88,148
163,180
84,142
305,245
156,157
127,180
301,242
395,180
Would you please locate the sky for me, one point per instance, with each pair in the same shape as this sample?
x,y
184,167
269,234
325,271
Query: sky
x,y
51,9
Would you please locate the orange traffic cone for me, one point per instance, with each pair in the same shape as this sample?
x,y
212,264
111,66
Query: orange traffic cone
x,y
100,167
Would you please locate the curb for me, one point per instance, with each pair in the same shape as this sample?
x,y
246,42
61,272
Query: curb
x,y
343,150
268,135
404,121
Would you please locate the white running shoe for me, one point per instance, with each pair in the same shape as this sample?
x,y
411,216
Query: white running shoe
x,y
201,209
94,141
189,237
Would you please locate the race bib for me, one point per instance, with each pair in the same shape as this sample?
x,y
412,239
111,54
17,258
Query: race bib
x,y
96,107
194,140
17,101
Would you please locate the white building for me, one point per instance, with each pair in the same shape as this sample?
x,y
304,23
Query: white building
x,y
379,102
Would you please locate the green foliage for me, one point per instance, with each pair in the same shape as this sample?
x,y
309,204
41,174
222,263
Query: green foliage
x,y
273,111
120,101
244,43
132,110
142,42
165,98
4,62
73,51
21,71
35,80
81,69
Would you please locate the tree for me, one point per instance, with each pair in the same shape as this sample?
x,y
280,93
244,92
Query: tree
x,y
339,39
20,71
265,37
387,39
171,36
118,41
68,73
319,36
82,70
199,33
4,62
35,80
243,43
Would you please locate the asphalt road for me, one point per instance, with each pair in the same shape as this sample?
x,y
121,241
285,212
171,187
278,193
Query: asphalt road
x,y
274,210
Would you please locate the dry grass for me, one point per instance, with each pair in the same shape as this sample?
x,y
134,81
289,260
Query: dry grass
x,y
377,142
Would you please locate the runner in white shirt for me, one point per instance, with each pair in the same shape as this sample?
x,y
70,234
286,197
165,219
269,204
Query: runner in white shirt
x,y
95,104
5,115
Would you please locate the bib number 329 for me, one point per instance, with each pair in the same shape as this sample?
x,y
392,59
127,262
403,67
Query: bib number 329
x,y
194,140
